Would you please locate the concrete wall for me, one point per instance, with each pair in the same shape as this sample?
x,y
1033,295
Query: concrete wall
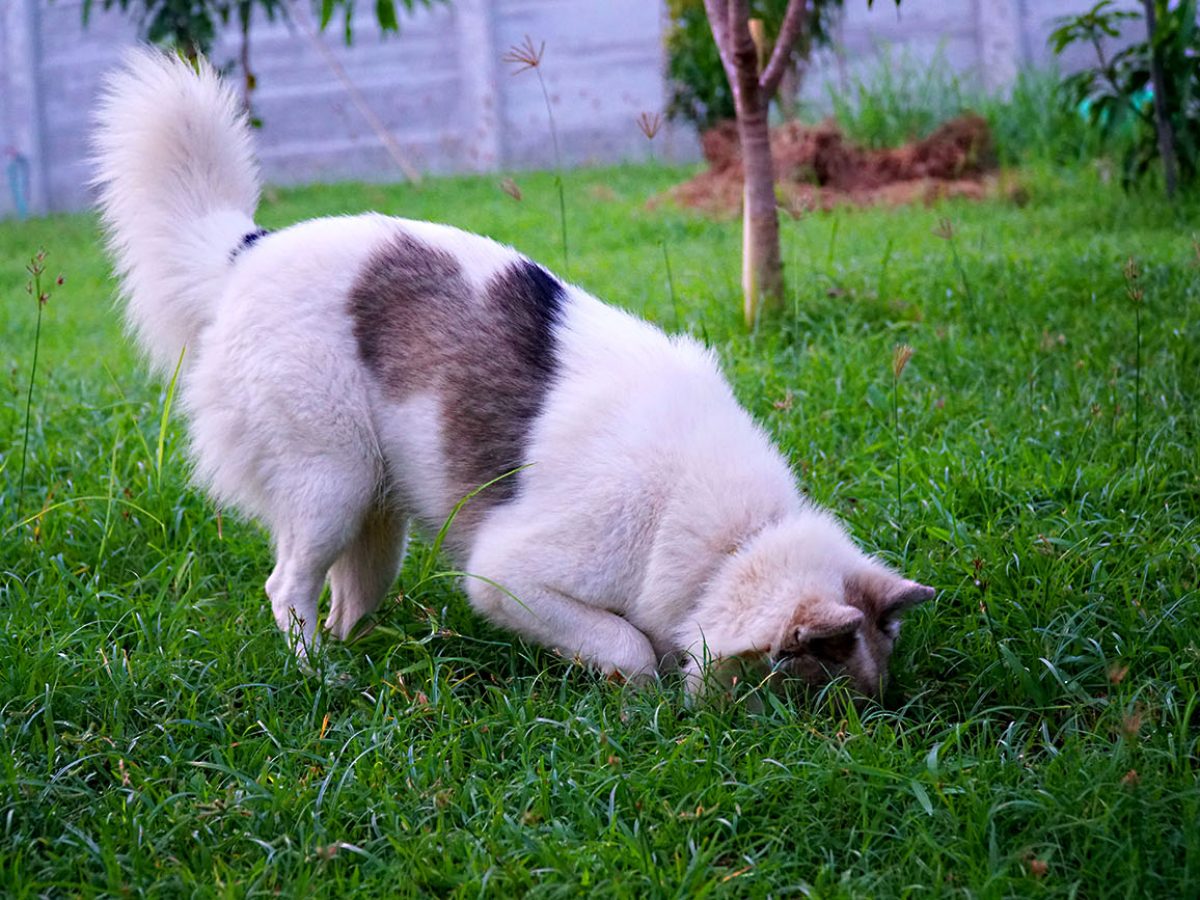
x,y
440,89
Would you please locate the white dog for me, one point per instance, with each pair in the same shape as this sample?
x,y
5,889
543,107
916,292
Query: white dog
x,y
347,375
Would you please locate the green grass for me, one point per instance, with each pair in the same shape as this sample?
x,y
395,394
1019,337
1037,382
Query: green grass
x,y
901,99
156,737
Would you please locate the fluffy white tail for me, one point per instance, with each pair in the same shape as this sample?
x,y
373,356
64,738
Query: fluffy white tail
x,y
178,186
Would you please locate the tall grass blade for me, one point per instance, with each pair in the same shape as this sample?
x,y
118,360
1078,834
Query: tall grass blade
x,y
671,283
440,537
166,414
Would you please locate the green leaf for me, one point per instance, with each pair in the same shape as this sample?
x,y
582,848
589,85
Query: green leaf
x,y
922,796
385,12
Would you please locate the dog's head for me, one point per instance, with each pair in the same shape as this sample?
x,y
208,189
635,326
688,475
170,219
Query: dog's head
x,y
802,598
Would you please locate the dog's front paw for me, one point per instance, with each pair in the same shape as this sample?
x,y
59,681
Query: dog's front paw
x,y
634,661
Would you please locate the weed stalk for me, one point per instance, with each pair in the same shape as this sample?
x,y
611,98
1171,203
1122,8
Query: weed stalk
x,y
525,56
945,230
650,124
33,287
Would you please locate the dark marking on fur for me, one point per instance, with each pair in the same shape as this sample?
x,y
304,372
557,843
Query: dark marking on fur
x,y
248,241
488,355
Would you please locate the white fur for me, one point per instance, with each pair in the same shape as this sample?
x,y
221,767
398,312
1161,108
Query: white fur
x,y
178,186
655,522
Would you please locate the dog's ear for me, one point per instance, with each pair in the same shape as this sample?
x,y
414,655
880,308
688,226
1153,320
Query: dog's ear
x,y
884,594
826,630
904,594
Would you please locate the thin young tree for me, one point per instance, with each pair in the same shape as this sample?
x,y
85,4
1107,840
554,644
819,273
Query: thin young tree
x,y
753,86
1162,120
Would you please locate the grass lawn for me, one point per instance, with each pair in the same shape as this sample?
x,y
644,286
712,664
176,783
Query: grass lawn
x,y
1042,734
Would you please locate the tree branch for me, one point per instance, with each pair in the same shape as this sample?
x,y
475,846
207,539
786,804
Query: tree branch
x,y
794,22
743,55
718,21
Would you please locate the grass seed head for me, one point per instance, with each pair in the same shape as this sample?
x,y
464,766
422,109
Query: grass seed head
x,y
510,187
36,267
900,357
650,124
524,55
1132,289
944,230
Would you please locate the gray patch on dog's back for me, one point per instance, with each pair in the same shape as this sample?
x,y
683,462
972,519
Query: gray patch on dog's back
x,y
488,356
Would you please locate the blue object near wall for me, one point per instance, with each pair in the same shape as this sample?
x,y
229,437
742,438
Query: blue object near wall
x,y
18,184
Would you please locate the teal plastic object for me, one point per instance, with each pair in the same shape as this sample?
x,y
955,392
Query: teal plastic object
x,y
1143,99
18,184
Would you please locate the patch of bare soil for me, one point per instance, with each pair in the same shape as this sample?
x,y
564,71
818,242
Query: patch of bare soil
x,y
818,168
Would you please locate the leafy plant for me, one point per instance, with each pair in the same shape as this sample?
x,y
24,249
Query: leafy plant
x,y
386,13
190,26
1117,95
1032,120
700,92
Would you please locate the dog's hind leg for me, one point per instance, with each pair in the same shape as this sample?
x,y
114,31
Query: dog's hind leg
x,y
317,515
361,576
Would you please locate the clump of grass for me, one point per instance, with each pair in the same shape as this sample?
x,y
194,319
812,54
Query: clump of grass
x,y
36,269
900,99
157,731
526,57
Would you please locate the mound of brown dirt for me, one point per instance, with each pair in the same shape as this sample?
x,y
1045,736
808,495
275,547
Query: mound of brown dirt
x,y
817,168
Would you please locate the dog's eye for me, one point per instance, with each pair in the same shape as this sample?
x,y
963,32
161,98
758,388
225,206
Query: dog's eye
x,y
836,649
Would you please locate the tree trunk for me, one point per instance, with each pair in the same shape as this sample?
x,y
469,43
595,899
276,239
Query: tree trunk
x,y
1162,123
762,262
762,266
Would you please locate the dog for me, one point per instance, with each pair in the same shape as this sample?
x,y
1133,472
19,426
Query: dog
x,y
347,376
